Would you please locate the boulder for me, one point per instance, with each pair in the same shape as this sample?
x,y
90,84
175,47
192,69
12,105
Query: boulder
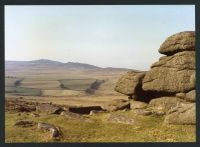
x,y
163,104
49,108
184,114
129,82
183,41
137,105
173,74
116,105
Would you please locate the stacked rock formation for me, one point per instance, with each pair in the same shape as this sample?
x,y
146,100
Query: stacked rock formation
x,y
170,83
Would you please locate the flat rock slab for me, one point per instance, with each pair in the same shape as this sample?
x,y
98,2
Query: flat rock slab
x,y
184,114
120,118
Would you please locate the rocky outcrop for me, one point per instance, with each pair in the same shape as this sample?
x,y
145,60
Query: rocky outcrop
x,y
183,41
170,82
184,114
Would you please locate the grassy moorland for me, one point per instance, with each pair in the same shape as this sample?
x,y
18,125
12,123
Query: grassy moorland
x,y
145,129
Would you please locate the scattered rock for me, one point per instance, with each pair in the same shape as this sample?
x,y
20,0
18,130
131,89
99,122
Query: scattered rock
x,y
55,132
184,114
183,41
116,105
119,118
49,108
24,123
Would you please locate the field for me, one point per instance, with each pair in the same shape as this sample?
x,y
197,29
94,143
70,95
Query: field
x,y
22,91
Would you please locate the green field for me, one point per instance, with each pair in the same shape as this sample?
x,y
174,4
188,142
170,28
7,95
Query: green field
x,y
80,84
22,91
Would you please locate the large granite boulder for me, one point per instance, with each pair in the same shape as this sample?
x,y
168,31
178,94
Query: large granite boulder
x,y
184,114
183,41
172,74
129,83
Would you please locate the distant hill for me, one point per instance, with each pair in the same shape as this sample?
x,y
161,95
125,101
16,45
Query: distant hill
x,y
46,64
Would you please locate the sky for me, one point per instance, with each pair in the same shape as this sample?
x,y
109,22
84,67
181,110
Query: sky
x,y
126,36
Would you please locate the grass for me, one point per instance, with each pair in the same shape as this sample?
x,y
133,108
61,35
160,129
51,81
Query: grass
x,y
146,129
22,91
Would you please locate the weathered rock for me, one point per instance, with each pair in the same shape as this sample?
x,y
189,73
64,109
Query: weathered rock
x,y
24,123
129,82
191,96
116,105
119,118
49,108
163,104
84,109
137,105
173,74
183,41
143,112
184,114
55,132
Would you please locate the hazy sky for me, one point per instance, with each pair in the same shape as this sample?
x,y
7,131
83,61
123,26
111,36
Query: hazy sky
x,y
107,36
